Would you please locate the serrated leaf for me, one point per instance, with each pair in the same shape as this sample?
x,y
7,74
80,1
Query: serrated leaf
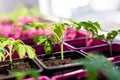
x,y
21,50
62,26
17,42
35,39
30,51
66,24
58,29
115,33
111,35
99,37
76,25
41,39
53,39
48,47
4,43
96,24
88,26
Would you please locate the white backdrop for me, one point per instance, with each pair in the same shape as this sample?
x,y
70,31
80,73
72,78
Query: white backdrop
x,y
10,5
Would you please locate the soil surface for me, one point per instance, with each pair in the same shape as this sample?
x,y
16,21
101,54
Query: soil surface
x,y
55,66
21,66
53,61
5,69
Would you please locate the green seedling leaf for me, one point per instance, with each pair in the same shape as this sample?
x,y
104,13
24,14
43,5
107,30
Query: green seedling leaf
x,y
4,43
100,63
111,35
21,50
66,24
76,25
2,39
88,26
30,51
112,74
58,30
41,39
99,37
38,25
108,38
48,47
34,74
2,50
35,39
91,69
19,75
53,39
118,31
17,42
2,54
96,24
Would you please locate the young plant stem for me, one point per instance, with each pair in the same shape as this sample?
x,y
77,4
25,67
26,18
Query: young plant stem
x,y
61,44
10,55
62,55
87,36
110,44
11,65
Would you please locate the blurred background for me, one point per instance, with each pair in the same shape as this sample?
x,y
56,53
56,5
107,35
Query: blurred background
x,y
106,12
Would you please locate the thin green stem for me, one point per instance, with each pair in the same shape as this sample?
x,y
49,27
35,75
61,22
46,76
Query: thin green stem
x,y
7,54
62,56
87,36
110,44
61,45
10,55
11,61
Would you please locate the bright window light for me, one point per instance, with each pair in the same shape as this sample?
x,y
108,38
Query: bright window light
x,y
63,8
104,4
